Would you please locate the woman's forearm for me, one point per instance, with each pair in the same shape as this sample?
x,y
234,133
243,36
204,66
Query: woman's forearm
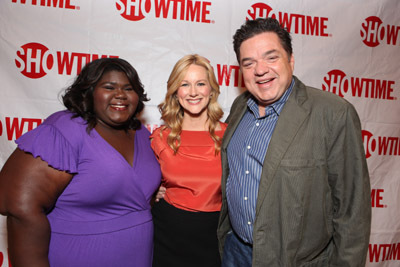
x,y
28,240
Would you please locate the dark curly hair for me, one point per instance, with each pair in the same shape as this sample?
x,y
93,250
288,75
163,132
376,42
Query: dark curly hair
x,y
253,27
78,97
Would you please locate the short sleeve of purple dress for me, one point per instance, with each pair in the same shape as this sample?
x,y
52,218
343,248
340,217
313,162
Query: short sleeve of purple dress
x,y
103,216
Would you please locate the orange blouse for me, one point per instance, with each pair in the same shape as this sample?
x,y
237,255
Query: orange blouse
x,y
193,175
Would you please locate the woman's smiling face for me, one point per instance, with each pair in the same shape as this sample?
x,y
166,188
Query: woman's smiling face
x,y
194,92
114,99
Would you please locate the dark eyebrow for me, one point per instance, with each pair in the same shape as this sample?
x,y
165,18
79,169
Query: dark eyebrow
x,y
245,59
265,54
270,52
114,83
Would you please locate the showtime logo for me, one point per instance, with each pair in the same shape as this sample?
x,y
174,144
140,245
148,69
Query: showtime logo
x,y
65,4
296,23
184,10
374,32
377,198
15,127
34,60
381,145
338,83
384,252
225,73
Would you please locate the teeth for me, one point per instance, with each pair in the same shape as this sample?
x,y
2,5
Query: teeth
x,y
262,82
194,100
118,106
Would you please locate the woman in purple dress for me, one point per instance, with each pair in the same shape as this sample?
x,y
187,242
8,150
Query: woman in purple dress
x,y
77,189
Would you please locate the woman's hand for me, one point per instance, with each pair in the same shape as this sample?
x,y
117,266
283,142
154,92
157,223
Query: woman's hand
x,y
160,193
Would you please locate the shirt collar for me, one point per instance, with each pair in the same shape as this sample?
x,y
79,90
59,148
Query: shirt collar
x,y
275,107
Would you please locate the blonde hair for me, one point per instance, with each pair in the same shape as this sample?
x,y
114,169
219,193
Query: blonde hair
x,y
172,112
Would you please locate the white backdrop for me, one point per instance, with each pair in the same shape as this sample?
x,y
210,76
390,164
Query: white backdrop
x,y
350,48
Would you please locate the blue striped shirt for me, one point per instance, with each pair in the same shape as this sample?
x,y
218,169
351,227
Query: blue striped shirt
x,y
246,152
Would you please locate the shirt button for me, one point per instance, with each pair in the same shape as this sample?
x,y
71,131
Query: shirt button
x,y
248,147
247,172
248,223
257,124
245,198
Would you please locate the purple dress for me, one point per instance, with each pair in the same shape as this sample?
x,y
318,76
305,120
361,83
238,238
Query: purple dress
x,y
103,216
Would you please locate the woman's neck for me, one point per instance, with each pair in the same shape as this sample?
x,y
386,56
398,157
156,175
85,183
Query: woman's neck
x,y
195,124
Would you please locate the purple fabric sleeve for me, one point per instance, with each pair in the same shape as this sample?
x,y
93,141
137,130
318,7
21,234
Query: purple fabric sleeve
x,y
48,143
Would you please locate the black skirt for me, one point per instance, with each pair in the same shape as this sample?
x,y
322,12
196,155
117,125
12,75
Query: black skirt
x,y
184,238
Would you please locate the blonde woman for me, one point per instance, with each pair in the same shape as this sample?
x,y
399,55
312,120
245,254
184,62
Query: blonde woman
x,y
187,148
